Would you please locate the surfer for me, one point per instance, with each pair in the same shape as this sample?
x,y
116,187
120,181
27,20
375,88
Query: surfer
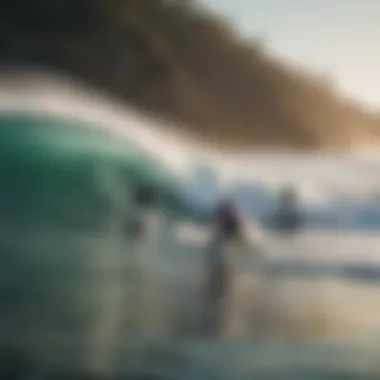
x,y
143,199
288,218
227,220
227,228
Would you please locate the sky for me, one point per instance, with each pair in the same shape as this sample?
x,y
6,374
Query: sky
x,y
339,38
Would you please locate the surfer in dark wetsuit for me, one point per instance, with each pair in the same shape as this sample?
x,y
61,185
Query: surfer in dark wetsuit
x,y
143,198
228,228
288,219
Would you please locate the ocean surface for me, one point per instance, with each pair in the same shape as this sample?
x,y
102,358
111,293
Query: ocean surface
x,y
77,292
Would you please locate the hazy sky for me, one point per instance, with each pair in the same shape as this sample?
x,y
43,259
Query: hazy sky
x,y
339,37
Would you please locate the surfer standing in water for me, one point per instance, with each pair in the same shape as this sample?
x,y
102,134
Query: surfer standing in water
x,y
288,216
227,228
143,198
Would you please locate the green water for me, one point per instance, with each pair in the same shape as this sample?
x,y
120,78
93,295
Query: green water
x,y
64,200
51,172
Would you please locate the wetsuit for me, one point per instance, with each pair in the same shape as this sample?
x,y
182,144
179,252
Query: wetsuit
x,y
217,277
144,197
288,217
227,221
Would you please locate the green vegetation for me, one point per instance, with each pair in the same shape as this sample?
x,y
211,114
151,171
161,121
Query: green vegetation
x,y
176,61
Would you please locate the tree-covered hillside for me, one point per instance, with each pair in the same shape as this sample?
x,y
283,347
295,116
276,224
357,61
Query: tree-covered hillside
x,y
173,59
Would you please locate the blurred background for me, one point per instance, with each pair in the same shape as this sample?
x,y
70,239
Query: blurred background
x,y
270,106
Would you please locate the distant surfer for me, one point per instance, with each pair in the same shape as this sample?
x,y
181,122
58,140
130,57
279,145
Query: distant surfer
x,y
227,228
288,219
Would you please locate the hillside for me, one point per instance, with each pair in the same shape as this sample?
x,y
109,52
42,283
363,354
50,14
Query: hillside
x,y
173,60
